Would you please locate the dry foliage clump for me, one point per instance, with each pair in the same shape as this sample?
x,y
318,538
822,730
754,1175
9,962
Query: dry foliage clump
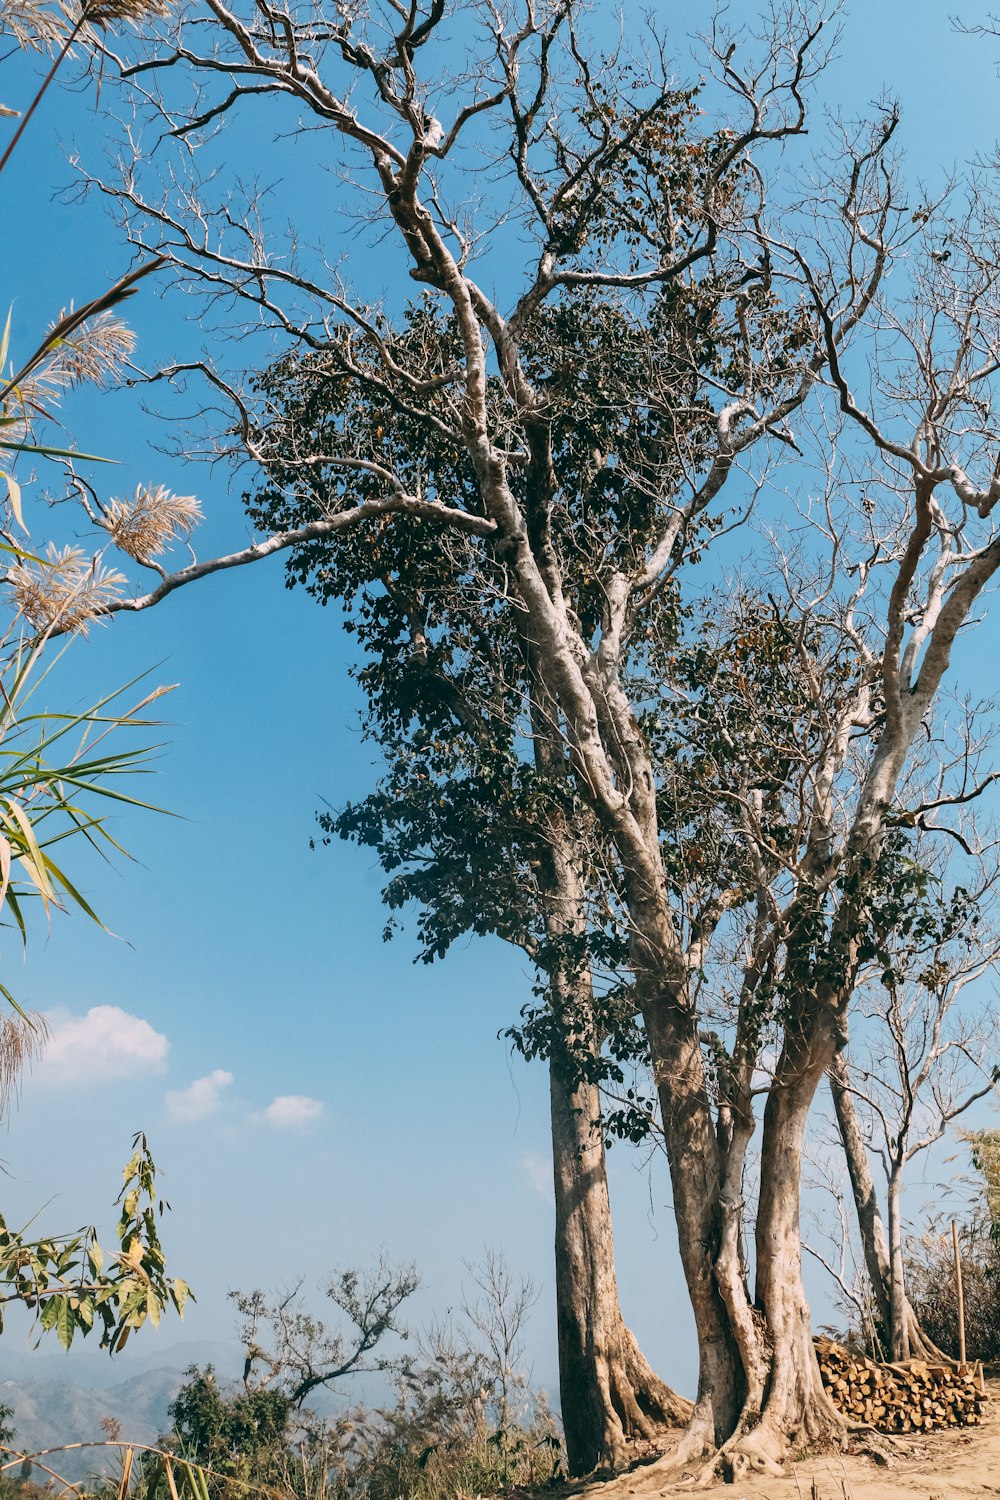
x,y
931,1278
134,12
94,352
66,591
33,26
145,525
22,1039
44,28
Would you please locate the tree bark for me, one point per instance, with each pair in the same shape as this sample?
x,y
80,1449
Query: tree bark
x,y
610,1396
900,1343
874,1244
696,1180
796,1406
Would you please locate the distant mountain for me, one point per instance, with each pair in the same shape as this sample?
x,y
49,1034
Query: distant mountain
x,y
59,1399
53,1413
86,1365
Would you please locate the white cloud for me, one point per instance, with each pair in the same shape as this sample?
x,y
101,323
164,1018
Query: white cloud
x,y
106,1043
292,1111
200,1099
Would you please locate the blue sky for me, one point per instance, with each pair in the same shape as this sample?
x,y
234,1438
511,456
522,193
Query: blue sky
x,y
252,968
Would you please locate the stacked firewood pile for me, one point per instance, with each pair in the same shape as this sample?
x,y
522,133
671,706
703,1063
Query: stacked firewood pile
x,y
910,1397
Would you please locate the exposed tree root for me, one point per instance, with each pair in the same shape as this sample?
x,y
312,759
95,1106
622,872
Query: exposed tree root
x,y
871,1443
750,1450
696,1443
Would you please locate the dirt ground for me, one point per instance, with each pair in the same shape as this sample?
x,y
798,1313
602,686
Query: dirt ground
x,y
947,1465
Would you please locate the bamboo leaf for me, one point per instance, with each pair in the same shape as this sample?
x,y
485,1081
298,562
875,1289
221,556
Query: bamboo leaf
x,y
46,452
14,907
37,859
71,890
20,554
14,496
4,868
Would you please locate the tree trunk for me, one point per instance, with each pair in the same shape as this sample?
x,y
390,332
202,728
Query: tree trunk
x,y
900,1343
796,1406
874,1245
695,1175
874,1242
736,1128
610,1396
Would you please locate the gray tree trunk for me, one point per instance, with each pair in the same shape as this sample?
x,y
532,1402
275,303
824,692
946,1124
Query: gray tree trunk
x,y
874,1244
900,1342
874,1241
696,1180
797,1406
610,1396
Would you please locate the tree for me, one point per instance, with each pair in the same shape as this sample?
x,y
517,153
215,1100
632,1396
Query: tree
x,y
242,1435
301,1354
923,1062
249,1434
628,195
461,1415
489,843
629,251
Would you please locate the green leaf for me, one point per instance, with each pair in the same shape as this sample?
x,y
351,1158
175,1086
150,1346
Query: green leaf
x,y
14,907
181,1294
46,452
4,868
72,891
65,1321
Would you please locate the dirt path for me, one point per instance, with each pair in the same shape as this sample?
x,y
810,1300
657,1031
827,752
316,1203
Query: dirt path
x,y
951,1465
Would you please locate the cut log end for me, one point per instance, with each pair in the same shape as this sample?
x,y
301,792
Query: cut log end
x,y
914,1396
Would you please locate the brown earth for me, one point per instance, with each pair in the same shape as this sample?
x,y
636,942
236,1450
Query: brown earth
x,y
949,1465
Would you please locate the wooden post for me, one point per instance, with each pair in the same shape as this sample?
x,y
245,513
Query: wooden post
x,y
958,1292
